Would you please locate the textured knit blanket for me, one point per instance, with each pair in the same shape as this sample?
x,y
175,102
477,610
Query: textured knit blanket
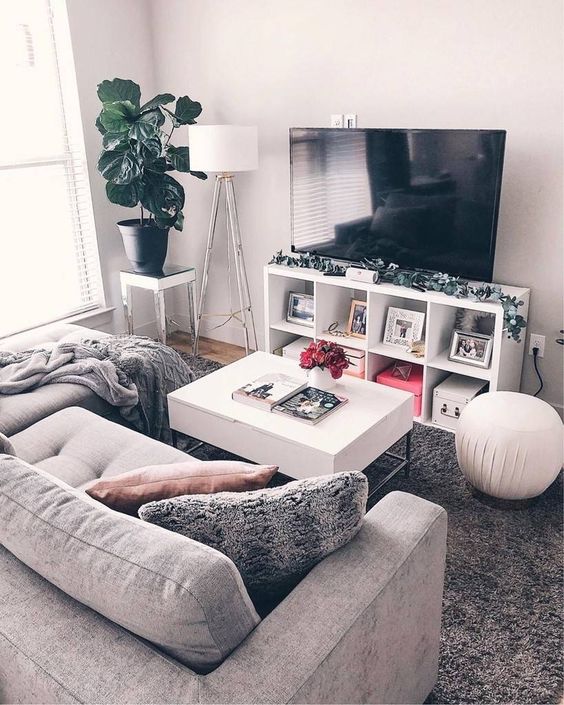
x,y
132,373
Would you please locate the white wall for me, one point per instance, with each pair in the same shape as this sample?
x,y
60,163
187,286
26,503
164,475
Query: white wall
x,y
110,38
397,63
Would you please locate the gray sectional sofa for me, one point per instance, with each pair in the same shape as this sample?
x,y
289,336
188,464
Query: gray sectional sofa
x,y
21,410
362,627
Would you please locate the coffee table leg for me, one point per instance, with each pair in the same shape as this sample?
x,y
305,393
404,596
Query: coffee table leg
x,y
197,444
408,453
403,464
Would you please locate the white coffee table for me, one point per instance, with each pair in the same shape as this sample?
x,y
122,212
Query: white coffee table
x,y
374,419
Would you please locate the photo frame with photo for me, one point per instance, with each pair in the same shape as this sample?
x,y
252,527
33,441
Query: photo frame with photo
x,y
471,348
300,309
356,326
403,327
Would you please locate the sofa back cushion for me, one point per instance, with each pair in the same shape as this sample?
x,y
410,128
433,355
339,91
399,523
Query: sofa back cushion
x,y
186,598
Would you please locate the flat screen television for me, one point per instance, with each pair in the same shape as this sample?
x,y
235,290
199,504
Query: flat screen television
x,y
424,199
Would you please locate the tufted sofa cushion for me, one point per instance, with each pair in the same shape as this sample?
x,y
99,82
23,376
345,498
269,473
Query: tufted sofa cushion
x,y
48,336
77,447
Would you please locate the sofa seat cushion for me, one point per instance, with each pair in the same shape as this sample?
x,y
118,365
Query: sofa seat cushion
x,y
182,596
18,411
78,447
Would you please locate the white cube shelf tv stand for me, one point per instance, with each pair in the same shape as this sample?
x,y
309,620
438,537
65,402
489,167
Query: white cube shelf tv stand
x,y
332,300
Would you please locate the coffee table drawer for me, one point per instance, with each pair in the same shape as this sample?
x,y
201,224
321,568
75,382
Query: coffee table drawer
x,y
253,444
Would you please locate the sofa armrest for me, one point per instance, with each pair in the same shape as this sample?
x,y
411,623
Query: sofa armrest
x,y
362,627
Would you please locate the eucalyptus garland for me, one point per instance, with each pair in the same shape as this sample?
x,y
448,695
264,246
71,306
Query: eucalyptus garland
x,y
422,281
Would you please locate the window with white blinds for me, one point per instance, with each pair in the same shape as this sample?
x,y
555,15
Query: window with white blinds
x,y
49,265
329,186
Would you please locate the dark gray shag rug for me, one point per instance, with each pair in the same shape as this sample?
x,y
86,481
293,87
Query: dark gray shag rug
x,y
502,639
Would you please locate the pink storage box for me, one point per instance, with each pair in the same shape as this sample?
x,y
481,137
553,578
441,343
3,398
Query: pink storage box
x,y
414,384
358,360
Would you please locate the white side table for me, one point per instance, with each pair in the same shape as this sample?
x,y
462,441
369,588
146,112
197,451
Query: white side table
x,y
172,275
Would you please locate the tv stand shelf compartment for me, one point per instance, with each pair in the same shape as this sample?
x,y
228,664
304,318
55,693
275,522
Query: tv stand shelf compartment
x,y
333,296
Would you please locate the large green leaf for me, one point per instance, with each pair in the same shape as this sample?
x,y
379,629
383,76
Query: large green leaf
x,y
118,116
154,117
117,141
101,129
179,157
199,175
127,195
163,196
185,111
166,221
158,165
119,89
150,149
142,131
161,99
179,222
119,167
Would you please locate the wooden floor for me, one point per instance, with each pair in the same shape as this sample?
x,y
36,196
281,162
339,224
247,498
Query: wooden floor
x,y
210,349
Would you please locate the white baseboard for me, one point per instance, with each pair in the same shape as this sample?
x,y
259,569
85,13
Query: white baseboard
x,y
227,334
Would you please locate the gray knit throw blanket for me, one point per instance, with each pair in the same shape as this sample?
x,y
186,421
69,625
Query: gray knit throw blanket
x,y
132,373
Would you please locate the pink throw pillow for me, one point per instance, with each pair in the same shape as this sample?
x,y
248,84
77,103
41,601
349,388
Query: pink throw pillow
x,y
129,490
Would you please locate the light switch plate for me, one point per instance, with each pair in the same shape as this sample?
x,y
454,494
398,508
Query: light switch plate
x,y
337,120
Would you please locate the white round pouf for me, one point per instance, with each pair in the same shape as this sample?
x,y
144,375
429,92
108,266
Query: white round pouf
x,y
509,445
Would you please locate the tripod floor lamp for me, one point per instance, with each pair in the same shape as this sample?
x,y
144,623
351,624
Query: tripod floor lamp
x,y
226,149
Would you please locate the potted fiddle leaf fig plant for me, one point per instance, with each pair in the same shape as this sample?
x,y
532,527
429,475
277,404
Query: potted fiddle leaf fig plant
x,y
136,160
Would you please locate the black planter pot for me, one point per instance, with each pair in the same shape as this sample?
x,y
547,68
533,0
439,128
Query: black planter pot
x,y
145,245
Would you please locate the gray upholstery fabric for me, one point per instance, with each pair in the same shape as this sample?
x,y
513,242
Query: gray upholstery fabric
x,y
274,536
178,594
133,373
6,445
48,336
78,447
363,626
53,649
20,411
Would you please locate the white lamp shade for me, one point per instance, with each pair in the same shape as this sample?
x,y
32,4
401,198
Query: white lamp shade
x,y
223,148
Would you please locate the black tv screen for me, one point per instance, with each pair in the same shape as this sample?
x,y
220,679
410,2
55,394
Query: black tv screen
x,y
424,199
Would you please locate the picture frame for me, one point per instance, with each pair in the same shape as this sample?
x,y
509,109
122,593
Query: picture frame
x,y
471,348
356,326
403,327
300,309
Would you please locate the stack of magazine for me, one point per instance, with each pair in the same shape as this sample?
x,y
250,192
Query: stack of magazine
x,y
284,395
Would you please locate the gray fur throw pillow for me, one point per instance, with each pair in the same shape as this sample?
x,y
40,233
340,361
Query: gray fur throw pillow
x,y
274,536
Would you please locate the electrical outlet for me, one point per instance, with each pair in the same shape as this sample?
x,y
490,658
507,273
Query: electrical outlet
x,y
337,120
350,120
536,341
